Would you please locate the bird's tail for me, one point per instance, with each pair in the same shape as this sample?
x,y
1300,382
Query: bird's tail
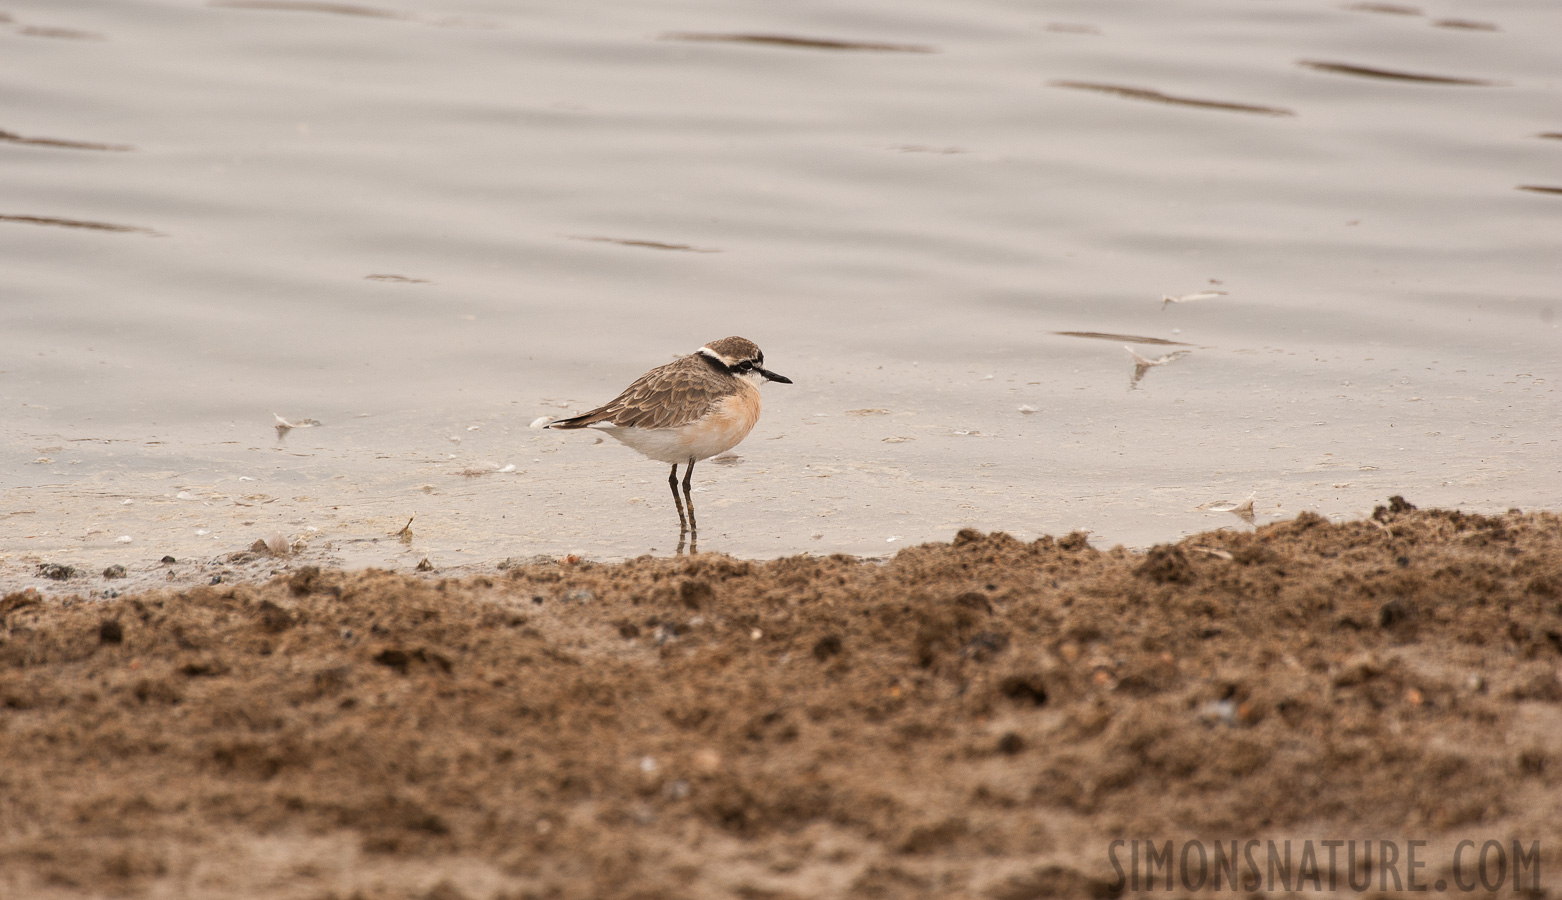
x,y
580,421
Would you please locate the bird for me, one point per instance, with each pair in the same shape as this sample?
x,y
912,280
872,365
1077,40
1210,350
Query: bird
x,y
687,410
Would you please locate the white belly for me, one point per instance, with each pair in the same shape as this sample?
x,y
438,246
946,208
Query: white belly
x,y
718,432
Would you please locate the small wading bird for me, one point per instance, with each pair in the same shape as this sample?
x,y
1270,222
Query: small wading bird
x,y
687,410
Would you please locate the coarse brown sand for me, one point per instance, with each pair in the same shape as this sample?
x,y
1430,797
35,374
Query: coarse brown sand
x,y
976,719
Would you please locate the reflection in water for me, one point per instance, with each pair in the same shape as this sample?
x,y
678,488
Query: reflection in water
x,y
1395,9
76,223
347,9
1392,9
1134,93
1129,338
783,40
67,34
632,242
1466,25
1072,28
397,279
1391,74
14,138
339,9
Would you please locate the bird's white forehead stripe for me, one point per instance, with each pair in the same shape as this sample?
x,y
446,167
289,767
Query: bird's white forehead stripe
x,y
724,360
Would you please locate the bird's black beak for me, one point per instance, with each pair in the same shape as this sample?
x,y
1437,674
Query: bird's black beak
x,y
771,376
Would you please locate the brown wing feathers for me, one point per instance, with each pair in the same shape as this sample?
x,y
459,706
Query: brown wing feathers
x,y
665,397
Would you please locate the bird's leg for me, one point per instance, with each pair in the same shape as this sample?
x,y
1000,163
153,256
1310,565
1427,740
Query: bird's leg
x,y
688,499
672,482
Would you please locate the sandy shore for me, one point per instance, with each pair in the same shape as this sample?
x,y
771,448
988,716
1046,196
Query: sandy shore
x,y
976,719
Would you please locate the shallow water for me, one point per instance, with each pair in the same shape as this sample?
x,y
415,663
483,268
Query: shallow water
x,y
391,218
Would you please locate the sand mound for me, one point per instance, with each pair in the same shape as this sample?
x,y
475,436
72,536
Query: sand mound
x,y
974,719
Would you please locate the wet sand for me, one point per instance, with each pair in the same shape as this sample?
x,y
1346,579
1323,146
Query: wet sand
x,y
981,718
